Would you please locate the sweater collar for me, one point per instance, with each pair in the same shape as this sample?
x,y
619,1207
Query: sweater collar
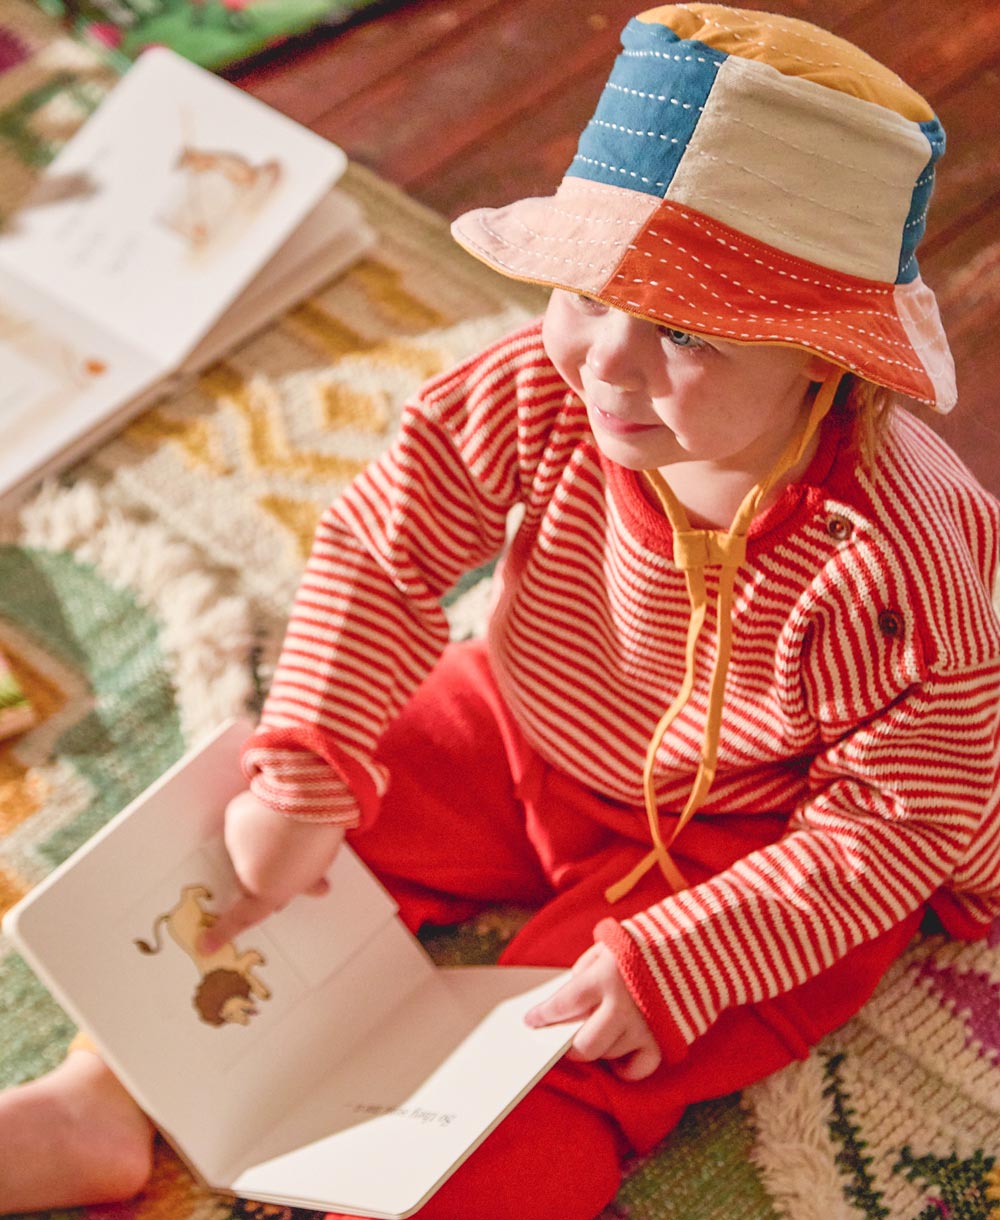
x,y
645,521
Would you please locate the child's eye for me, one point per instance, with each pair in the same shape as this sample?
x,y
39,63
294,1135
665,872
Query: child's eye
x,y
681,338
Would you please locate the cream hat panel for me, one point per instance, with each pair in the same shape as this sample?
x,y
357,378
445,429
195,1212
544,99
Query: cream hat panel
x,y
813,172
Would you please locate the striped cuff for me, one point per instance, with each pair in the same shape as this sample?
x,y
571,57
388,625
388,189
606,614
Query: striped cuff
x,y
643,989
302,773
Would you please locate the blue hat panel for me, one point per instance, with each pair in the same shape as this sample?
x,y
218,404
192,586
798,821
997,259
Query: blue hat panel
x,y
916,221
648,111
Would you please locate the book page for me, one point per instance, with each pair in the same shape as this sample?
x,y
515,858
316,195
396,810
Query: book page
x,y
61,377
332,237
246,1024
166,203
409,1104
289,1064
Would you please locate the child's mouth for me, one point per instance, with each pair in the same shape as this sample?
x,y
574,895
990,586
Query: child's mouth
x,y
618,426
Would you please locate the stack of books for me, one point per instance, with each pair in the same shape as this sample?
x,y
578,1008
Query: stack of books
x,y
184,216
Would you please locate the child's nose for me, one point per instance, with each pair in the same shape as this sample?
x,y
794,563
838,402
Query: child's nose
x,y
615,353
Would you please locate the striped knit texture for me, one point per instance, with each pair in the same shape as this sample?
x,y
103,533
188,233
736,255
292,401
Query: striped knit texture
x,y
899,1113
861,697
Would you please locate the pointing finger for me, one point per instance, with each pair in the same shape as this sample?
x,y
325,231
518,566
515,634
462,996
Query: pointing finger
x,y
242,914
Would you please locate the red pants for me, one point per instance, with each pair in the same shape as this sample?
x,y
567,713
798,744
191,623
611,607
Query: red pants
x,y
474,817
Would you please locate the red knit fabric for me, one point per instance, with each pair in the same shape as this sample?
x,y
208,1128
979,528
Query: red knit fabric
x,y
473,815
861,699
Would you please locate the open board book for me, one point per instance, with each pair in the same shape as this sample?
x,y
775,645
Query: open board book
x,y
336,1067
183,216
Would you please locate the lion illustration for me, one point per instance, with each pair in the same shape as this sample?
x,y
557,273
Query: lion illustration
x,y
227,984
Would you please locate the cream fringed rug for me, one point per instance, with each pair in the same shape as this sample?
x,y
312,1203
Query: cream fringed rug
x,y
144,599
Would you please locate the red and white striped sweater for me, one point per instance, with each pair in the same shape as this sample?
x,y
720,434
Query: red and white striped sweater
x,y
862,694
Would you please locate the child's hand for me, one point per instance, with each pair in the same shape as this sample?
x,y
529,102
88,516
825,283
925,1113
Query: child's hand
x,y
275,858
615,1029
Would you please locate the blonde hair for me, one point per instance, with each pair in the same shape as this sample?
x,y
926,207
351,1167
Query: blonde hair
x,y
871,407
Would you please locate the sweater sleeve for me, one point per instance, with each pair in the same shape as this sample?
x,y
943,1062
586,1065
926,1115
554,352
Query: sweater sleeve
x,y
367,624
892,810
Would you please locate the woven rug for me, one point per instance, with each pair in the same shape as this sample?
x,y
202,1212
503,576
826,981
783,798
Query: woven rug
x,y
144,598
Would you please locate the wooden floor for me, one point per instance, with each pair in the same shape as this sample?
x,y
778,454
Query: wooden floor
x,y
468,102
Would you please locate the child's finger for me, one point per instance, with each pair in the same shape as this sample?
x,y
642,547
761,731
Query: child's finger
x,y
622,1046
587,958
574,999
600,1033
638,1065
244,913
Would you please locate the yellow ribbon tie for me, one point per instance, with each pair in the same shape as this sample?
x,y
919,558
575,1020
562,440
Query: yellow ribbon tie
x,y
695,550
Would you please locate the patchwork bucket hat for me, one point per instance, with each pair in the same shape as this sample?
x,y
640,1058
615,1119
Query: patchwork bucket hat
x,y
751,177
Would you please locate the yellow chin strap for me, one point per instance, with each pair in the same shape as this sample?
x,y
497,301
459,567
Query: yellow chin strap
x,y
694,551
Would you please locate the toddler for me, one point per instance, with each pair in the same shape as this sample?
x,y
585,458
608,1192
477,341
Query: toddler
x,y
733,729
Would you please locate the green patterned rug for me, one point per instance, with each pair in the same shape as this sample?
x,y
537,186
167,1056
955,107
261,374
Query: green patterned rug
x,y
144,598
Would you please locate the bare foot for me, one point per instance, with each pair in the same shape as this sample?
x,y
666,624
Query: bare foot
x,y
72,1138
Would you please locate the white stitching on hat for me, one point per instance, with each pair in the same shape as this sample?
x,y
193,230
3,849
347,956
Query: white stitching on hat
x,y
613,242
708,267
617,169
818,154
656,97
491,257
631,131
829,284
749,313
747,335
849,289
535,235
816,42
799,309
596,189
631,221
839,356
602,268
738,165
931,311
681,59
774,321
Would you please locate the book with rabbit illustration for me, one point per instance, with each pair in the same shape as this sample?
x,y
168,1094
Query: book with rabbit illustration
x,y
322,1059
183,216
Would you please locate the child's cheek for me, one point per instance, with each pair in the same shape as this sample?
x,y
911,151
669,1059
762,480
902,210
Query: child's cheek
x,y
568,362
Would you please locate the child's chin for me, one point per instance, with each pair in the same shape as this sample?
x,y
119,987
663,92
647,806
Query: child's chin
x,y
634,450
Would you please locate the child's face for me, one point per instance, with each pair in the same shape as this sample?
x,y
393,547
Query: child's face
x,y
656,397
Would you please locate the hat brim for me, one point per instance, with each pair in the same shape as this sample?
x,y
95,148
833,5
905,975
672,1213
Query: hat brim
x,y
661,260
